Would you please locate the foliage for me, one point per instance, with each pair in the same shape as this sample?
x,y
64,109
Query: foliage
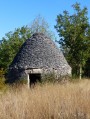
x,y
49,77
21,81
87,68
74,32
10,45
2,80
3,86
52,78
40,25
2,72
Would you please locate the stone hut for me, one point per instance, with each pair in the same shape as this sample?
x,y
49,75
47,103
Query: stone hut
x,y
38,56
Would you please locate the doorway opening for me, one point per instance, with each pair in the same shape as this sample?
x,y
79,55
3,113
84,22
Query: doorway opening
x,y
34,78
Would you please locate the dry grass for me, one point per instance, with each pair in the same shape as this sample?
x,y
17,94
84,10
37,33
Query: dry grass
x,y
50,101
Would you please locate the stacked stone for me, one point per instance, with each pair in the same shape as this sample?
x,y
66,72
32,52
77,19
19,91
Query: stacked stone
x,y
39,52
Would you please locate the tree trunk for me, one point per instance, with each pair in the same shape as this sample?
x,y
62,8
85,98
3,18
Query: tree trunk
x,y
80,75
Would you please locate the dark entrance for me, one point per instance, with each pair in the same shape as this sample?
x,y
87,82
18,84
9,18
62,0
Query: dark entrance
x,y
34,78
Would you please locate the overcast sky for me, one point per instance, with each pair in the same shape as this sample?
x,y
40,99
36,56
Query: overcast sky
x,y
17,13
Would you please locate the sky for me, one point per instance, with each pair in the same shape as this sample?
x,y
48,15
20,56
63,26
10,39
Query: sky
x,y
18,13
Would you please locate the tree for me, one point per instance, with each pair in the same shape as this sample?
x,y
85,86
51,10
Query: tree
x,y
87,68
74,32
11,44
39,25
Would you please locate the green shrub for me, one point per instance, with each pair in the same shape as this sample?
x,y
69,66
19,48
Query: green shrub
x,y
2,72
3,86
22,81
50,77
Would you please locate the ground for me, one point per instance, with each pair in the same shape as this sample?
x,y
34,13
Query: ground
x,y
48,101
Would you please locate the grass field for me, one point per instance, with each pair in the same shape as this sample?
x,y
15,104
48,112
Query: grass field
x,y
48,101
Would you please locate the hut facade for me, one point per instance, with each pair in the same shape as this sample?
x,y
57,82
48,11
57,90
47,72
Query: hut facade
x,y
38,56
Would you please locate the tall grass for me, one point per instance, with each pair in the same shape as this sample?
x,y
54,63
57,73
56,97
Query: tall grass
x,y
48,101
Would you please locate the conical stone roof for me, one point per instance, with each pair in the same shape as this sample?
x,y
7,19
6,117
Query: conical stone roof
x,y
39,52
